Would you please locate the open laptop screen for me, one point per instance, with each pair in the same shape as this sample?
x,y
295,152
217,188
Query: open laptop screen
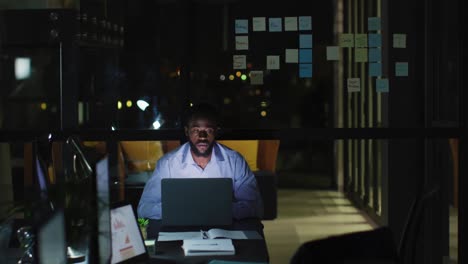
x,y
127,242
196,201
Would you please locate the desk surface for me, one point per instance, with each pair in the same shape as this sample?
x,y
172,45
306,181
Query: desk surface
x,y
251,250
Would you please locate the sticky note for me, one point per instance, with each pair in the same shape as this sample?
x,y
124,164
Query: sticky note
x,y
401,69
375,69
373,23
290,24
242,26
258,24
360,55
360,40
305,70
256,77
275,24
305,23
333,53
239,61
381,85
305,41
399,41
242,42
273,62
375,54
305,55
346,40
354,85
292,56
375,40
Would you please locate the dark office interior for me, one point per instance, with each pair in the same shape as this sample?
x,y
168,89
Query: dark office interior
x,y
82,81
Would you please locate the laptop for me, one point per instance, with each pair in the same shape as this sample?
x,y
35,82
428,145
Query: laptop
x,y
128,245
196,201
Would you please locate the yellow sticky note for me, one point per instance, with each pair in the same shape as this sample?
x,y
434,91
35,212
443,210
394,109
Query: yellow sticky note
x,y
290,24
242,42
239,61
273,62
346,40
360,40
354,85
259,24
399,41
333,53
360,55
292,56
256,77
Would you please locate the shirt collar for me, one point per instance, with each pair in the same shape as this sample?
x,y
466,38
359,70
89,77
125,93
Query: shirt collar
x,y
187,157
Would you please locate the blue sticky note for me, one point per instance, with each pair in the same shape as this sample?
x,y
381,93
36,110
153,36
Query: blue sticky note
x,y
373,23
375,54
242,26
381,85
375,40
375,69
275,24
305,23
305,70
305,55
305,41
401,69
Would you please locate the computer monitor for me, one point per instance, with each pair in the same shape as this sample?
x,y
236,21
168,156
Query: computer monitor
x,y
127,241
196,201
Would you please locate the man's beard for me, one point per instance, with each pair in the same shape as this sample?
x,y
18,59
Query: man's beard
x,y
197,153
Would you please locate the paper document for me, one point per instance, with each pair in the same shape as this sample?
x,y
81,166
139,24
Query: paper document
x,y
221,233
173,236
203,247
210,234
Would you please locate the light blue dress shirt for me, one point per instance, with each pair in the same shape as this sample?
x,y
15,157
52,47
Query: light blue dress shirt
x,y
224,162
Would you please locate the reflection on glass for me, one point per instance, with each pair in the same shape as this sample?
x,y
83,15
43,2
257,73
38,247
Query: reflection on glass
x,y
22,68
26,240
30,84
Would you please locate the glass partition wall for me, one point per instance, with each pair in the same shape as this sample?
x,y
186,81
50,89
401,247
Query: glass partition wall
x,y
398,74
380,119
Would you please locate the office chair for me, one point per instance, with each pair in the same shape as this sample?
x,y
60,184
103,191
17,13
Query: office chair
x,y
373,246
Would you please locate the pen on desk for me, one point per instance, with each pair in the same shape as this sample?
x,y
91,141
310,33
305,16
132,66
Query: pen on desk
x,y
203,233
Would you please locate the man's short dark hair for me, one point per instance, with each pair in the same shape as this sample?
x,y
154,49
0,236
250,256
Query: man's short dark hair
x,y
202,111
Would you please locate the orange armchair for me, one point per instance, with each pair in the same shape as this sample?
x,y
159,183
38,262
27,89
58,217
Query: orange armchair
x,y
261,156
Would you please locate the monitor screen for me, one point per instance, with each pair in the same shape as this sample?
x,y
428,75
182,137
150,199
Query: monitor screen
x,y
127,241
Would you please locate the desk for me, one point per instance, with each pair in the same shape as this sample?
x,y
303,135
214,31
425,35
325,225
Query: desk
x,y
11,255
251,250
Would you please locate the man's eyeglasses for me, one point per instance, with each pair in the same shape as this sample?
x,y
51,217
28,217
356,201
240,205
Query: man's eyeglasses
x,y
197,131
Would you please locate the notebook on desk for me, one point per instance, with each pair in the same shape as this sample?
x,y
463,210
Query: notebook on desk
x,y
196,201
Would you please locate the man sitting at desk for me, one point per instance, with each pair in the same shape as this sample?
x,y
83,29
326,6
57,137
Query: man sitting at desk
x,y
203,157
